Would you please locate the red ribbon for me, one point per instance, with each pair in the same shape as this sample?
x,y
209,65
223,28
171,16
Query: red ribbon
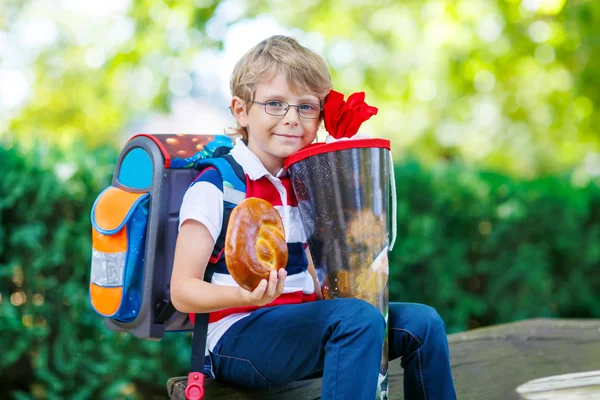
x,y
343,118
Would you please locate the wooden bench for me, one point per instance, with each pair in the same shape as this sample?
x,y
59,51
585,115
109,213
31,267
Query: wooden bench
x,y
487,363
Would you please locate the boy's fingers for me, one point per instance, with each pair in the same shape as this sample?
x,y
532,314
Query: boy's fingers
x,y
272,284
281,274
259,291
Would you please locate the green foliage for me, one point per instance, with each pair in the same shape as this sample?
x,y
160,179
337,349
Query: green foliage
x,y
480,247
485,249
53,344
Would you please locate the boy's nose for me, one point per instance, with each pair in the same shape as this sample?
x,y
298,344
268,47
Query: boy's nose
x,y
291,117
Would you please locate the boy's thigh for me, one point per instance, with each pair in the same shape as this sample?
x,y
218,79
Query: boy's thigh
x,y
278,345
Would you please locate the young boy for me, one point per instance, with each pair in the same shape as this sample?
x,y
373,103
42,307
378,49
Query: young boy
x,y
280,332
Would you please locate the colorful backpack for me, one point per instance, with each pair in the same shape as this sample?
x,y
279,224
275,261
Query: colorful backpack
x,y
135,225
134,230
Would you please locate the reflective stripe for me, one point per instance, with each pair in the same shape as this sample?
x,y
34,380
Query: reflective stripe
x,y
232,195
107,268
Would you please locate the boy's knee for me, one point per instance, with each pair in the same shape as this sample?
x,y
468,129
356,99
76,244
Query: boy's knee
x,y
367,315
432,321
420,318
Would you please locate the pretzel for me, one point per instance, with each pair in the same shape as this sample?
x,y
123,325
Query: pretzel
x,y
255,242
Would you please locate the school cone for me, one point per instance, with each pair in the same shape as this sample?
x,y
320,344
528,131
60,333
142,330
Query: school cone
x,y
343,192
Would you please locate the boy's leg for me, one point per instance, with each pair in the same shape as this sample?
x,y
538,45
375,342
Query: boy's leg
x,y
418,335
277,345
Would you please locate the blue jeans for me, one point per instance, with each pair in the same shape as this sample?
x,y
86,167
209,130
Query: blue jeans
x,y
339,340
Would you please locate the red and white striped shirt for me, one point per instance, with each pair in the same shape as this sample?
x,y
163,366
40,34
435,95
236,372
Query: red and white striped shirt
x,y
203,202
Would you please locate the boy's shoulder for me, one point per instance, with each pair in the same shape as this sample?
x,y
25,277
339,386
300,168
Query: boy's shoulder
x,y
224,173
210,175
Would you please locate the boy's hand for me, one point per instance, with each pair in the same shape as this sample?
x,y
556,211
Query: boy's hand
x,y
266,291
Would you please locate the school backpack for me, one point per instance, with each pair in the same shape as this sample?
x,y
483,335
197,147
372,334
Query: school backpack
x,y
134,229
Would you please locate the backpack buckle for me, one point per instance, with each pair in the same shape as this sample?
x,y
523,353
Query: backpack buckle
x,y
195,386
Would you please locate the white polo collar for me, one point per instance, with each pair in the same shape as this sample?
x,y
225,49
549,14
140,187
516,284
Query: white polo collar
x,y
251,164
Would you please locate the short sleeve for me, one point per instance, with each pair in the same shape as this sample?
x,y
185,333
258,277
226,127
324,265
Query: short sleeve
x,y
203,202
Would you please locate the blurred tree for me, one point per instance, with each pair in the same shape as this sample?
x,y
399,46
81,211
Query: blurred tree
x,y
504,84
104,68
507,84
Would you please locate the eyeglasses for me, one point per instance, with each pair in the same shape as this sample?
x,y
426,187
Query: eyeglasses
x,y
279,108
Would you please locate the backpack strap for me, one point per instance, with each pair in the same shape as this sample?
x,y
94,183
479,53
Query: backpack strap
x,y
200,331
195,384
234,191
237,169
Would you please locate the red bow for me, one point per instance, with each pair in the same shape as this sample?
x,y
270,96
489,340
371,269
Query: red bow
x,y
343,118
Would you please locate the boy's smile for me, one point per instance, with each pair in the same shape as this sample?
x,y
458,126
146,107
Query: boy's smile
x,y
290,137
273,138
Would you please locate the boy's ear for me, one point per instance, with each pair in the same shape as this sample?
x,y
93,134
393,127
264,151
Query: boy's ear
x,y
238,109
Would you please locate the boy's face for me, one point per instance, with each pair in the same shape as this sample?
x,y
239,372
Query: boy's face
x,y
272,138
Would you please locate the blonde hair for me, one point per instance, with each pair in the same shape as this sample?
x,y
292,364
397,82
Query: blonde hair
x,y
304,69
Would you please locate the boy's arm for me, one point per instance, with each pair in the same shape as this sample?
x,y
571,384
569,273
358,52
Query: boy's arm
x,y
191,294
313,272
